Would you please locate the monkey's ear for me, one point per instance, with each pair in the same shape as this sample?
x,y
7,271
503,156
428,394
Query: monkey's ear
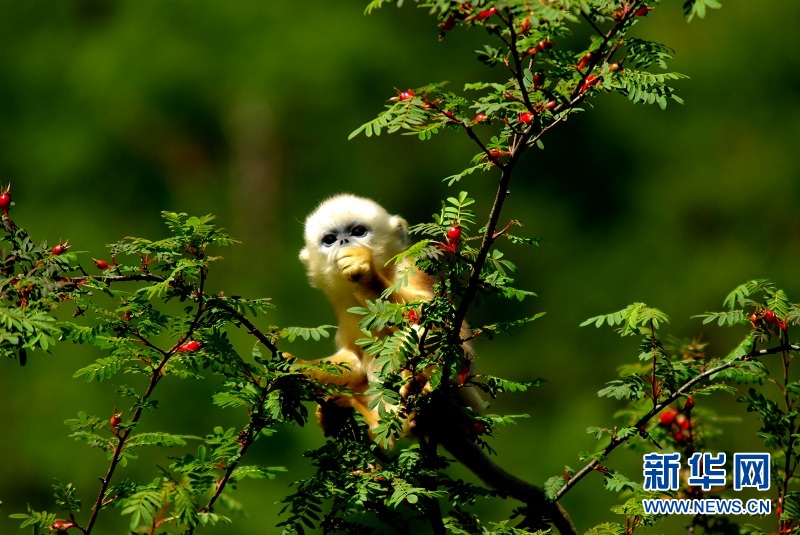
x,y
400,226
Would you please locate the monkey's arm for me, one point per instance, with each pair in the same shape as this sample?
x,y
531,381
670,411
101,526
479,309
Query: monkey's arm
x,y
356,264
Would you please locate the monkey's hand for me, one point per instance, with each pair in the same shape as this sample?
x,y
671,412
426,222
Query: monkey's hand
x,y
355,264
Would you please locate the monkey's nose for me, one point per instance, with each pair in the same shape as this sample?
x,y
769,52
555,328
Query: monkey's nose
x,y
344,242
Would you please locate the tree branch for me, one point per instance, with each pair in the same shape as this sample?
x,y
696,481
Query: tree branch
x,y
618,441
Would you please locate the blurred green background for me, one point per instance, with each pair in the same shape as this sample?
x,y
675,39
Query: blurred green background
x,y
111,111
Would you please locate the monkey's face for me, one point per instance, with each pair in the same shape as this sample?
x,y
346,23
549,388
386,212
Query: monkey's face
x,y
349,221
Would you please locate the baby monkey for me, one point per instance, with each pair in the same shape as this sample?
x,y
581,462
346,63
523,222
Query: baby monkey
x,y
349,246
350,242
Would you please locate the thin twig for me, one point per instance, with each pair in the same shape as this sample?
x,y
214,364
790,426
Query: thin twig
x,y
155,378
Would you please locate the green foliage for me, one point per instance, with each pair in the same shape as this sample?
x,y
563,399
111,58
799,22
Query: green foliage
x,y
160,324
149,314
681,369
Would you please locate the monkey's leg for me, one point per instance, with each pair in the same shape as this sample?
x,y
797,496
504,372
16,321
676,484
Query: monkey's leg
x,y
351,371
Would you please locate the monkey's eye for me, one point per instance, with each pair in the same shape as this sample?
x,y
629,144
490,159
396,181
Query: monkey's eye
x,y
358,231
329,239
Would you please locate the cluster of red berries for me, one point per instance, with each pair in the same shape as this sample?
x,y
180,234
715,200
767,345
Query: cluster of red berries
x,y
679,421
768,316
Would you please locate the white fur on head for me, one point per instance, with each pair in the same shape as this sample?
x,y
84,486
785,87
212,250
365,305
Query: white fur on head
x,y
386,236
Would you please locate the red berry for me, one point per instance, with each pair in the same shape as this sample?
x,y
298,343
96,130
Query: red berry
x,y
545,44
754,319
61,525
770,317
100,264
525,26
486,13
550,105
642,11
689,405
447,24
464,375
683,422
584,61
479,118
781,325
667,418
116,419
614,67
590,81
412,317
454,234
538,80
496,153
526,117
407,95
60,248
5,200
680,436
478,428
189,347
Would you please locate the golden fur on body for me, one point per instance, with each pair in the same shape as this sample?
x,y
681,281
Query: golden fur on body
x,y
351,270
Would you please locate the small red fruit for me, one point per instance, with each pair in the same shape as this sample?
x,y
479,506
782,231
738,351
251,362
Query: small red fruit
x,y
61,525
525,26
667,418
447,24
544,44
479,118
116,419
407,95
454,234
486,13
642,11
496,153
781,325
478,428
189,347
683,422
100,264
590,81
770,317
464,375
550,105
526,117
614,67
689,405
584,61
5,200
754,319
538,80
412,317
60,248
